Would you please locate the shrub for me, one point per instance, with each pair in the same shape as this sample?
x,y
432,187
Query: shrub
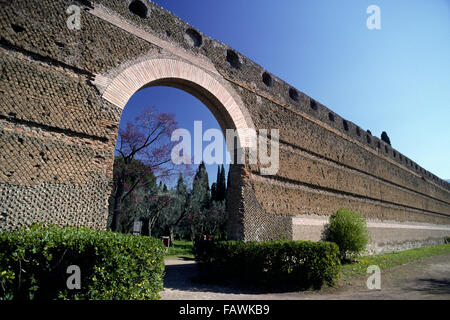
x,y
287,264
447,240
349,231
34,261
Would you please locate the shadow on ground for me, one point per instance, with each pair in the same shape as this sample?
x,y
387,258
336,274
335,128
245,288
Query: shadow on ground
x,y
433,286
184,277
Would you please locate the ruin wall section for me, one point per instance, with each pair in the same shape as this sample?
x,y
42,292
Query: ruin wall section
x,y
58,129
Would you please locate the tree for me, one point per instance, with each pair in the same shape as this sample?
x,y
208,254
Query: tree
x,y
136,170
348,229
177,210
199,202
152,209
218,188
385,138
215,219
214,191
147,138
215,186
221,185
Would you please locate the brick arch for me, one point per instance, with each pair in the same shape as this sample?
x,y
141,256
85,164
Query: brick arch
x,y
230,113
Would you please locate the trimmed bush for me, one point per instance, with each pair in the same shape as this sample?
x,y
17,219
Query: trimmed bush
x,y
348,229
34,262
281,264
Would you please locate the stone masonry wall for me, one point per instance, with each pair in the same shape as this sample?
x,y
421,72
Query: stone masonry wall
x,y
58,132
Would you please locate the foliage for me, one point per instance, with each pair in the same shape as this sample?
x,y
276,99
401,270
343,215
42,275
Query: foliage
x,y
34,261
137,177
151,209
206,213
178,213
199,202
297,264
148,139
385,138
219,188
173,215
135,170
349,231
214,220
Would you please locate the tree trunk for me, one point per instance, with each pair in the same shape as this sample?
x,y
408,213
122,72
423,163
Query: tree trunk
x,y
115,223
145,227
150,229
171,235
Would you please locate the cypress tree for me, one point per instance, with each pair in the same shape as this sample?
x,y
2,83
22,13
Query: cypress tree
x,y
181,187
214,191
219,184
216,186
199,201
385,138
223,184
200,187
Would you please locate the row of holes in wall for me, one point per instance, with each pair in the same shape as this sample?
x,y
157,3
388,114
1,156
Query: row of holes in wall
x,y
138,8
386,148
194,38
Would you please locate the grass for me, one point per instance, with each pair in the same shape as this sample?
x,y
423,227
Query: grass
x,y
389,260
181,249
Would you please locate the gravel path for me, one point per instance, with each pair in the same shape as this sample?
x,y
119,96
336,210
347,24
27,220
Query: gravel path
x,y
427,278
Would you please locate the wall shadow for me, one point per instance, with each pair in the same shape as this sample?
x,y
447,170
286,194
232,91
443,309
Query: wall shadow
x,y
184,277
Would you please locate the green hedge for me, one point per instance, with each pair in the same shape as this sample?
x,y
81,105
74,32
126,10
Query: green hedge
x,y
298,264
34,262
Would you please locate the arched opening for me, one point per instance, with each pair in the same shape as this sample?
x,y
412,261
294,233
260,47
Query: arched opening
x,y
167,73
233,59
267,79
293,94
138,8
193,37
220,99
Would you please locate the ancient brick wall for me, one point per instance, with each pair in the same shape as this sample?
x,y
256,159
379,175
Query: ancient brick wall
x,y
61,96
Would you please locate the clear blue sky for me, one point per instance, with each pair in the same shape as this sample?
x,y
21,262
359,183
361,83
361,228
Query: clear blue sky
x,y
396,79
